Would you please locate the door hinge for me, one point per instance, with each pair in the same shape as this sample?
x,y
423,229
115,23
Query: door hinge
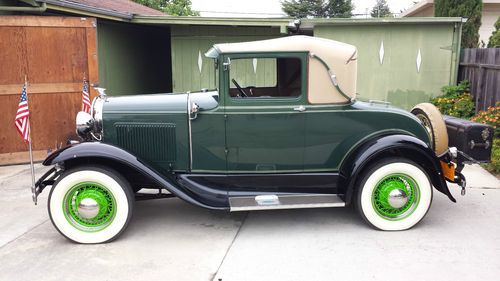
x,y
227,64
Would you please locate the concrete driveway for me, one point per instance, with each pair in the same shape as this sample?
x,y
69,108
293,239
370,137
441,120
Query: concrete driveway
x,y
171,240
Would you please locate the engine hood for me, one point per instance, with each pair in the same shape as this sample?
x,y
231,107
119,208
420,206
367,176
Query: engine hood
x,y
160,103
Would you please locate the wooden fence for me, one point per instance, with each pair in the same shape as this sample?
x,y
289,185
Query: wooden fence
x,y
482,68
54,53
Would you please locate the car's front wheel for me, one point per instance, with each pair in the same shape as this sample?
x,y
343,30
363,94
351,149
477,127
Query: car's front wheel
x,y
90,204
394,194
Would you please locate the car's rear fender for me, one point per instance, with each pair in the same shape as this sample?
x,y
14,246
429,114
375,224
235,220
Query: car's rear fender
x,y
399,145
125,162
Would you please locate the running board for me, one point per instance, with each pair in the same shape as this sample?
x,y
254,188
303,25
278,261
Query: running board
x,y
291,201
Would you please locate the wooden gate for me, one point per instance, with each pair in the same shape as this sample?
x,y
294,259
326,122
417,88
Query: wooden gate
x,y
54,53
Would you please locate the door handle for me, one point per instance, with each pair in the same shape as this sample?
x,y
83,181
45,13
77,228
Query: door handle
x,y
300,108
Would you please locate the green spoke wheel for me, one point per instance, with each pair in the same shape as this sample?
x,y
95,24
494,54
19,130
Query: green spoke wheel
x,y
394,194
90,204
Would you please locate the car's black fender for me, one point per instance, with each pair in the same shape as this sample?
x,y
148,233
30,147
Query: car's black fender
x,y
400,145
109,155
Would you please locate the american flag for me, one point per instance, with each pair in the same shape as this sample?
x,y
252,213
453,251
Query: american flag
x,y
22,121
85,97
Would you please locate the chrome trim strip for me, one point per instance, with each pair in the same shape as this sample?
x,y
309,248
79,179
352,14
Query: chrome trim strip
x,y
292,201
190,135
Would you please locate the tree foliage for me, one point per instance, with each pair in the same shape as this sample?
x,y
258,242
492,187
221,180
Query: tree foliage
x,y
381,10
338,9
470,9
302,8
171,7
318,8
494,41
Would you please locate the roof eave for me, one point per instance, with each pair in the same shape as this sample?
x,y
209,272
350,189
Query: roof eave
x,y
78,8
309,23
282,23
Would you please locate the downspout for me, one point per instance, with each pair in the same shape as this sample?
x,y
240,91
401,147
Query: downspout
x,y
457,37
40,9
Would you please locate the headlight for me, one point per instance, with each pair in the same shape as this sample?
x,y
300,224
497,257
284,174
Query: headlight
x,y
96,112
84,124
89,126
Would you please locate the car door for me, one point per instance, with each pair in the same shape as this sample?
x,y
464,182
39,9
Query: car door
x,y
265,99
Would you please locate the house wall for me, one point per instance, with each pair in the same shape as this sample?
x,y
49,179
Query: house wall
x,y
491,12
134,59
396,78
425,12
189,44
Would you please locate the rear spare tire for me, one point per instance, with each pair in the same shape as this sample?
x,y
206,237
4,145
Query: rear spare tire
x,y
433,122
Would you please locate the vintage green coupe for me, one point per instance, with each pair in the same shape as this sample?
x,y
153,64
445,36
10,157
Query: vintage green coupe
x,y
281,130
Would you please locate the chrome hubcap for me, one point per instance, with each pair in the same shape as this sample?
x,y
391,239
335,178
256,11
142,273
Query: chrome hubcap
x,y
397,198
88,208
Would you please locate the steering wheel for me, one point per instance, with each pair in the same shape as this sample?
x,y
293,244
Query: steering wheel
x,y
239,88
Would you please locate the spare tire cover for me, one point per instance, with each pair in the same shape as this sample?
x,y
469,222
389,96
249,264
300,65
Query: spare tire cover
x,y
434,124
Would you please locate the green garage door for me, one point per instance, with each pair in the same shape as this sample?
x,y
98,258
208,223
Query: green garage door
x,y
404,63
191,70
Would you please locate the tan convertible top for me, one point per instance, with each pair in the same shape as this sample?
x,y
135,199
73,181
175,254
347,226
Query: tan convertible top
x,y
339,57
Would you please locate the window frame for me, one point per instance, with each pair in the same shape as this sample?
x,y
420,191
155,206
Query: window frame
x,y
300,99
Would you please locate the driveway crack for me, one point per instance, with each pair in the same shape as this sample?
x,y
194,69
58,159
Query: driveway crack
x,y
24,233
230,246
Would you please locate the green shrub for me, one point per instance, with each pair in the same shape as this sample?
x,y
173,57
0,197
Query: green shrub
x,y
494,41
491,116
456,90
494,166
456,101
470,9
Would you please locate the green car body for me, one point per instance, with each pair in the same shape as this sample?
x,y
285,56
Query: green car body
x,y
294,136
248,136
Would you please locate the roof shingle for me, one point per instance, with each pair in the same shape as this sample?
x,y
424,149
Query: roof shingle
x,y
121,6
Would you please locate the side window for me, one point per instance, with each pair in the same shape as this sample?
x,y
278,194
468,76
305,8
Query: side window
x,y
265,77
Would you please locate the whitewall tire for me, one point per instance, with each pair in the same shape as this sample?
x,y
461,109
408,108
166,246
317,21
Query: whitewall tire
x,y
394,194
90,204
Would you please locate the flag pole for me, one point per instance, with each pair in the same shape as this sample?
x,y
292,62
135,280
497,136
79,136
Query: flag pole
x,y
33,189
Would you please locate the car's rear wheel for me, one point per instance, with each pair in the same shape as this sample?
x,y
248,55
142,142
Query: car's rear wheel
x,y
433,122
394,194
91,204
